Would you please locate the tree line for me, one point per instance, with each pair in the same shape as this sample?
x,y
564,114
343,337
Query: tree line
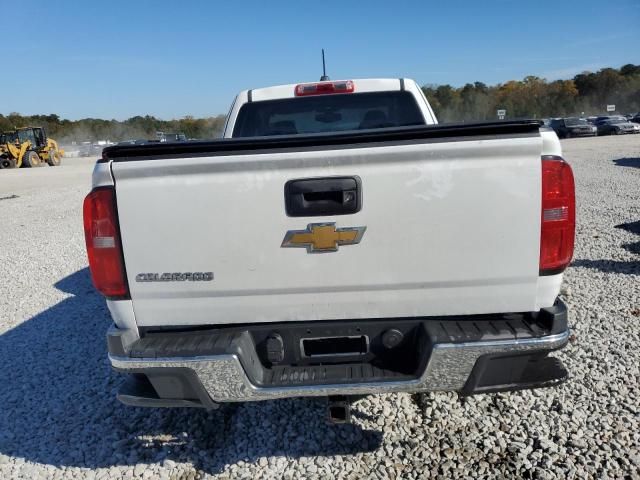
x,y
588,93
94,129
533,97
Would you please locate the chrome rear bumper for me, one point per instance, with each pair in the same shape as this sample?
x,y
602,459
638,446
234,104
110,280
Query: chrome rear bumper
x,y
471,356
449,368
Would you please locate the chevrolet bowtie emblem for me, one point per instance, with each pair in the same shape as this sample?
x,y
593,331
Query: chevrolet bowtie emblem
x,y
323,237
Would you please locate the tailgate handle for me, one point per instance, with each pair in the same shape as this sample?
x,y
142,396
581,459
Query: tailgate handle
x,y
315,197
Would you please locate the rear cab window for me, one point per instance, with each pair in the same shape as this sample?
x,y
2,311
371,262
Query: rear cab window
x,y
328,113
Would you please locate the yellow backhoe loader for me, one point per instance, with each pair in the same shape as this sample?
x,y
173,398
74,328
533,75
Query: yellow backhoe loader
x,y
28,147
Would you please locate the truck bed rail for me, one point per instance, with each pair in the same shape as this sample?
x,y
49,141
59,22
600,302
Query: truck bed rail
x,y
350,139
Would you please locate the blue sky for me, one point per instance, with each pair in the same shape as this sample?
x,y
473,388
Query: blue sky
x,y
118,58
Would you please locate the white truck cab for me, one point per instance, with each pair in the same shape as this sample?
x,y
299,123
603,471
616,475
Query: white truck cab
x,y
369,85
336,241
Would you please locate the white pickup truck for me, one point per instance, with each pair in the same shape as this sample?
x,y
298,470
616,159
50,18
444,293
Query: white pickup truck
x,y
337,241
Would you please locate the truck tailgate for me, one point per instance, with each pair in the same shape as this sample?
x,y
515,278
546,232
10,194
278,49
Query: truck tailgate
x,y
452,228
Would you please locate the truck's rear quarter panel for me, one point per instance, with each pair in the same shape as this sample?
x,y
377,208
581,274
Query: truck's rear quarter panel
x,y
452,227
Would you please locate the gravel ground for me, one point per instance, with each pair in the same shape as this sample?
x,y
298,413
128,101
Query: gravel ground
x,y
59,417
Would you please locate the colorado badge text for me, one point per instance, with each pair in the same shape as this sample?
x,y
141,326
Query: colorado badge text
x,y
175,277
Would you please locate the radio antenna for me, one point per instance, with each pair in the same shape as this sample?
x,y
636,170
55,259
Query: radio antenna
x,y
324,77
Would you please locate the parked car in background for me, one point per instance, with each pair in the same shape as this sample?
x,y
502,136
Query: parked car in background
x,y
85,149
635,118
90,150
616,126
609,117
573,127
171,137
137,141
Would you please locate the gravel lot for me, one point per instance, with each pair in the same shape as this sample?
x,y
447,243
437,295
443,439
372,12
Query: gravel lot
x,y
59,417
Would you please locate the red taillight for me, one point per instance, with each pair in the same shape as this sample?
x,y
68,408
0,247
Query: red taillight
x,y
558,215
104,248
324,88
